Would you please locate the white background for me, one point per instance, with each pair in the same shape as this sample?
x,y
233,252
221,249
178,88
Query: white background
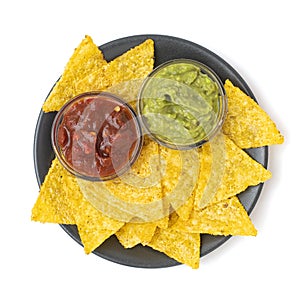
x,y
260,39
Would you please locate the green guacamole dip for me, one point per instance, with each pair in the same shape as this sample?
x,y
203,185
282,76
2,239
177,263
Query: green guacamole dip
x,y
180,104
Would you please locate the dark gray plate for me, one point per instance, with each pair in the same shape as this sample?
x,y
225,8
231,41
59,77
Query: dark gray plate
x,y
166,48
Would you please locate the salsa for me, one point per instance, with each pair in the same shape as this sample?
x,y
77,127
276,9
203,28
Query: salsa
x,y
180,104
98,136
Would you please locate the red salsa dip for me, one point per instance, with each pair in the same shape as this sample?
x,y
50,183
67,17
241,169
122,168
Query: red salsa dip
x,y
97,135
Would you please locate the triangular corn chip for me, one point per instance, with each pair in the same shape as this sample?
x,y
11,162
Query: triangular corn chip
x,y
61,201
227,217
122,76
86,59
246,123
56,197
94,227
182,246
226,170
179,171
185,210
144,175
132,234
135,64
137,193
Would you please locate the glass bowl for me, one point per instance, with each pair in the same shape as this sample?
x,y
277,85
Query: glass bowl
x,y
96,136
182,104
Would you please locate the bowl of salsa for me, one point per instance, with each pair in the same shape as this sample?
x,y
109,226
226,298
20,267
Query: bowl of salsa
x,y
182,104
96,136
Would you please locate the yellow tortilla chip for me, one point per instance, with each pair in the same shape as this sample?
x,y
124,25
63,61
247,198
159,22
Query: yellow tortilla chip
x,y
96,81
142,184
94,227
93,239
227,217
185,210
132,234
137,194
86,59
246,123
88,71
56,197
61,201
136,63
226,170
180,171
182,246
128,90
122,76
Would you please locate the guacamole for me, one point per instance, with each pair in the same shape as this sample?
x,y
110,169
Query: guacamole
x,y
180,104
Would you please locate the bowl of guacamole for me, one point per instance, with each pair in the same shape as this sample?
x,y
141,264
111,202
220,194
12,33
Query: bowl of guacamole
x,y
182,104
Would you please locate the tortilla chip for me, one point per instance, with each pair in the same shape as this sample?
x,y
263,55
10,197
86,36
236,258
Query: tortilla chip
x,y
179,171
226,170
246,123
132,234
122,76
61,201
86,59
96,81
94,227
227,217
182,246
136,63
54,203
128,90
142,184
137,194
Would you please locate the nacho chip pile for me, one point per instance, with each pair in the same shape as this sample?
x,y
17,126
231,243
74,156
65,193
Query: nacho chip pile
x,y
168,198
